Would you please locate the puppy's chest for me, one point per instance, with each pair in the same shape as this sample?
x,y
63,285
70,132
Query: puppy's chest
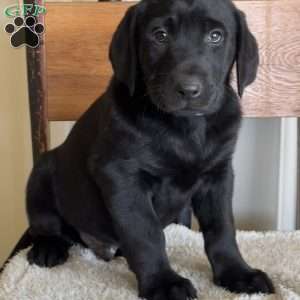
x,y
168,199
176,168
186,158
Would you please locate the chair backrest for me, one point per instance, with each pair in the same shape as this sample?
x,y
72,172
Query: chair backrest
x,y
77,70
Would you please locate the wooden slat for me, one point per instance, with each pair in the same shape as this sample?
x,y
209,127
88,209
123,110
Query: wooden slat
x,y
78,70
77,39
276,91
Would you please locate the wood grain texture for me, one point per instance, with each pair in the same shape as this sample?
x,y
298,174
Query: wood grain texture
x,y
78,70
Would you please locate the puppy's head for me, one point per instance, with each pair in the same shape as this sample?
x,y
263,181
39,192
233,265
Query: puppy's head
x,y
183,52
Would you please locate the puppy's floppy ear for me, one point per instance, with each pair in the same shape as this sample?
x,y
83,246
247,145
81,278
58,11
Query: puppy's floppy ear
x,y
247,58
123,52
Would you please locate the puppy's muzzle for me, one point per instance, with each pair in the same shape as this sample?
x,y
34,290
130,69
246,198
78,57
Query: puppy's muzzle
x,y
188,87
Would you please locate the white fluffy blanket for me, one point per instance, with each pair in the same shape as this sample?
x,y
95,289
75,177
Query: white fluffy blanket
x,y
84,277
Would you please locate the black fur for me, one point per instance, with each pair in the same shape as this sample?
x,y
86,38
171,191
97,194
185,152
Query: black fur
x,y
158,142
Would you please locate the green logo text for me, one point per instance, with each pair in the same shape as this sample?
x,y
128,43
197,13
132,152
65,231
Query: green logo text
x,y
24,10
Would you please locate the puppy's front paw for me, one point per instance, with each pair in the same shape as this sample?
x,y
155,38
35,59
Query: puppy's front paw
x,y
170,286
48,252
245,281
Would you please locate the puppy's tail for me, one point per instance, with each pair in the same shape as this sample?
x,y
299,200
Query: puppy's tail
x,y
25,241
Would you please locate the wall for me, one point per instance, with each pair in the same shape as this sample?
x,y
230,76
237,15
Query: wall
x,y
15,147
256,165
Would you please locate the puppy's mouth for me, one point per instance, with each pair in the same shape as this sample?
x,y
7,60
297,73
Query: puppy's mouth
x,y
168,102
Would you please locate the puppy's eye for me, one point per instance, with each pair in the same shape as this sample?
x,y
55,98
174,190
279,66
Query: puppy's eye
x,y
161,36
215,37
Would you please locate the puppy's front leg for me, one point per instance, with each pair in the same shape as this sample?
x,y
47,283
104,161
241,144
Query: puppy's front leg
x,y
213,208
141,236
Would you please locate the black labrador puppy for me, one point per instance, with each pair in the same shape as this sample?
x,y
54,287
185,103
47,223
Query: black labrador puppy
x,y
160,140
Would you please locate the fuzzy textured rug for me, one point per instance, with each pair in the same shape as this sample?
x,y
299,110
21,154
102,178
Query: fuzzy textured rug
x,y
84,277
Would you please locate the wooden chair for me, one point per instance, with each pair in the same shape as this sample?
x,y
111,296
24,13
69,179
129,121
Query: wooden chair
x,y
70,68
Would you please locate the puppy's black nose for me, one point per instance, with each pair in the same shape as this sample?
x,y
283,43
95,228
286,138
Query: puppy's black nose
x,y
189,90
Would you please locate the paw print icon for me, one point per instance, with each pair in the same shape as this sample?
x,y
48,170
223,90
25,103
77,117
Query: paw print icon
x,y
25,32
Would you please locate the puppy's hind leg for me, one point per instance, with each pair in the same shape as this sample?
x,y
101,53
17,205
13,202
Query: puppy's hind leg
x,y
50,245
185,217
